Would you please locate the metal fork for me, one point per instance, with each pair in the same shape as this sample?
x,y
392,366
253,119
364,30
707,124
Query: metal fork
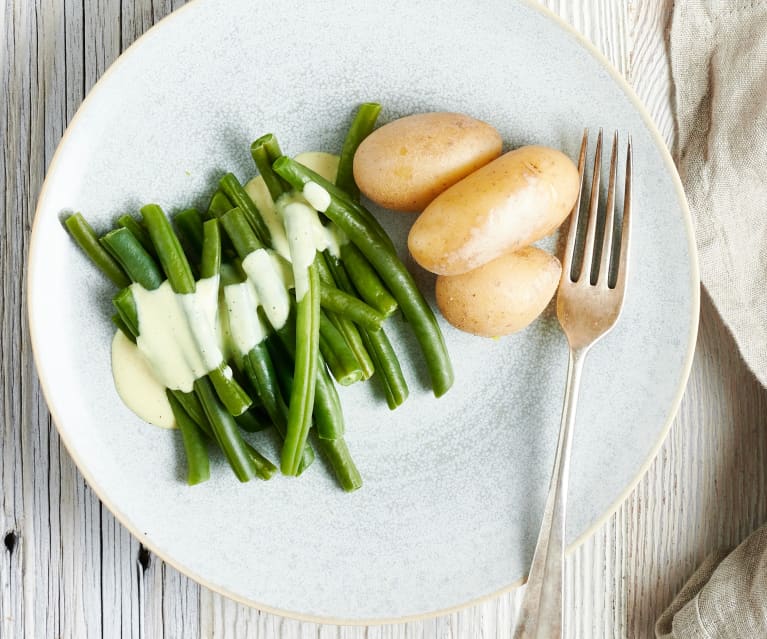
x,y
587,311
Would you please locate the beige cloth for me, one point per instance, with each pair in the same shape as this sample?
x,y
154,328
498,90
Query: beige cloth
x,y
726,600
719,63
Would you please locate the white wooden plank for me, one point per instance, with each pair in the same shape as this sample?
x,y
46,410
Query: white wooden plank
x,y
706,488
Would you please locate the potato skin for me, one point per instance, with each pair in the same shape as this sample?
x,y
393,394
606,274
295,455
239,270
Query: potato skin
x,y
406,163
500,297
512,202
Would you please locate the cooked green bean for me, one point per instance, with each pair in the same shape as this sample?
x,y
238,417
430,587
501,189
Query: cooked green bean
x,y
169,250
219,204
351,307
264,152
238,229
189,229
210,261
133,258
366,281
304,375
239,197
134,226
337,453
88,241
338,355
361,127
264,468
225,431
387,366
198,462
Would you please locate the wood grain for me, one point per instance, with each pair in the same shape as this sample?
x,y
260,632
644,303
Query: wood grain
x,y
68,569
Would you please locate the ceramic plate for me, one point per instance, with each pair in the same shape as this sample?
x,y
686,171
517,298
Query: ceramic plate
x,y
454,488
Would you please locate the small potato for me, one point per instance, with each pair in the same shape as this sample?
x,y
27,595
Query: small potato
x,y
510,203
502,296
406,163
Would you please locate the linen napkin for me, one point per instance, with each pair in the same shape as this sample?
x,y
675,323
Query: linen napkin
x,y
719,64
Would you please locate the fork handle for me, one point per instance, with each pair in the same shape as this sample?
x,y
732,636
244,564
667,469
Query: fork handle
x,y
541,613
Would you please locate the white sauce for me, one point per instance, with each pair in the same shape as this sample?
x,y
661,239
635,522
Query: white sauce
x,y
318,197
241,309
177,332
137,385
299,224
265,271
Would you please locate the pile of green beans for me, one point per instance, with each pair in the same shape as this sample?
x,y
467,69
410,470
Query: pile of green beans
x,y
335,331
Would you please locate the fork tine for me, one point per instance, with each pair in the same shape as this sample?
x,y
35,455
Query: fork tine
x,y
591,230
607,241
567,259
620,284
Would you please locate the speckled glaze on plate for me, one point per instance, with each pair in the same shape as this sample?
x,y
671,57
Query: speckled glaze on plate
x,y
454,488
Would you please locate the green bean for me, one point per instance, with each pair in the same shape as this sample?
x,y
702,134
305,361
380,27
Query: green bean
x,y
366,280
393,273
236,193
210,261
189,229
264,468
337,453
238,229
387,366
225,431
233,396
126,309
259,368
361,127
194,409
219,204
344,325
339,357
134,226
345,305
197,460
169,250
304,375
253,420
264,151
328,415
135,261
283,379
123,327
88,241
337,275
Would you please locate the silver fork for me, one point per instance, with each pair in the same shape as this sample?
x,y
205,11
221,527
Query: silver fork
x,y
586,312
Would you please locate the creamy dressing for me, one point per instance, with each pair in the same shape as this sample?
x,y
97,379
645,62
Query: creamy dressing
x,y
318,197
245,328
299,224
265,271
177,332
324,164
136,384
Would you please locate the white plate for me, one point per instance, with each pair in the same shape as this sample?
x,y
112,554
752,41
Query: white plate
x,y
454,487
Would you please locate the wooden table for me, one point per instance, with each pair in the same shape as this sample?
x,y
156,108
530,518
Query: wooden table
x,y
69,569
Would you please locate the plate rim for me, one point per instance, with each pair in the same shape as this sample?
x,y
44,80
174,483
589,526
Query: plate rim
x,y
670,166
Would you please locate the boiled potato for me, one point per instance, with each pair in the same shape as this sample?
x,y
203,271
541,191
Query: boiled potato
x,y
510,203
502,296
406,163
